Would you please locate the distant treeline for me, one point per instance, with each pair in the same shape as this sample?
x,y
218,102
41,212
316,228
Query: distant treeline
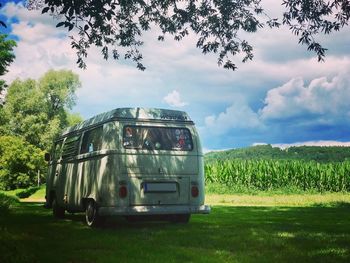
x,y
267,152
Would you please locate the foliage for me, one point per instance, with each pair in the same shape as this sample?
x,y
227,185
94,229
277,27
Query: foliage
x,y
6,202
267,152
117,26
38,110
73,118
19,163
6,56
2,23
25,193
265,175
3,121
309,18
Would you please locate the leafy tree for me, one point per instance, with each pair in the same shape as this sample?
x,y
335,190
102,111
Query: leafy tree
x,y
307,18
73,118
117,25
6,57
57,90
3,122
2,23
267,152
38,110
19,163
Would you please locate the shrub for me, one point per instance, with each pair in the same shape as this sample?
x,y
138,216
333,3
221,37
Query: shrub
x,y
27,192
6,202
19,163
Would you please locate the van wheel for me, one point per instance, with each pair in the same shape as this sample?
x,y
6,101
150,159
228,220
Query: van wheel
x,y
92,218
57,211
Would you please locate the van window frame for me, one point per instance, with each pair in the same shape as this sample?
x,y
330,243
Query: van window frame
x,y
84,136
157,127
57,150
75,140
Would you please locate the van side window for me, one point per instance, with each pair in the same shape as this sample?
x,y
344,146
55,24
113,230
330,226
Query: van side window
x,y
57,150
70,146
92,140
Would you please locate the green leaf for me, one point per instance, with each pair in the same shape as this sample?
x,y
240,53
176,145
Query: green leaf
x,y
60,24
45,10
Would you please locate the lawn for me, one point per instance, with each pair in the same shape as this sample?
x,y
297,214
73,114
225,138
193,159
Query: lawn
x,y
257,232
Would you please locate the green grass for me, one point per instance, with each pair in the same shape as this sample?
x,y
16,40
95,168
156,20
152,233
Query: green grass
x,y
277,199
311,232
38,196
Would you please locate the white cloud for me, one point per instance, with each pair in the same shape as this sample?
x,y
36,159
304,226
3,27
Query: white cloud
x,y
322,97
237,116
174,99
180,69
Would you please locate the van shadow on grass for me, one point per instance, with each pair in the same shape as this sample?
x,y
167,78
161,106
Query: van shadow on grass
x,y
29,233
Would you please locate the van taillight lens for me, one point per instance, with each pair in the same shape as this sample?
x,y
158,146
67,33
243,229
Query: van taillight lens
x,y
123,192
194,191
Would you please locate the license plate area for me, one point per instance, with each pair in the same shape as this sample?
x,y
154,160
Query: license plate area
x,y
169,187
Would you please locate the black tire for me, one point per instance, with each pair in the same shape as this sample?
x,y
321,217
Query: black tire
x,y
57,211
92,218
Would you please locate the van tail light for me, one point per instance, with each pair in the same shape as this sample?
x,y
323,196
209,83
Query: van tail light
x,y
123,191
194,191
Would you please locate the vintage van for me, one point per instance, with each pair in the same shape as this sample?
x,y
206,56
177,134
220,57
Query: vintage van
x,y
128,162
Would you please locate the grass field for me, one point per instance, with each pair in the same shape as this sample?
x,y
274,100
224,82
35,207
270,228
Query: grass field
x,y
311,230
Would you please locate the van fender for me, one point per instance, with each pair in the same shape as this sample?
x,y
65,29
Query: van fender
x,y
86,199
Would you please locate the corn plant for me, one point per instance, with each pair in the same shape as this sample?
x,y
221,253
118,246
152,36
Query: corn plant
x,y
282,174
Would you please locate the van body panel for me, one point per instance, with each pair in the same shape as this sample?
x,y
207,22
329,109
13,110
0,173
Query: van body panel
x,y
156,190
157,163
92,160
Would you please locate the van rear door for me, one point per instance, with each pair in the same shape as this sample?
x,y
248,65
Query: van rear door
x,y
159,161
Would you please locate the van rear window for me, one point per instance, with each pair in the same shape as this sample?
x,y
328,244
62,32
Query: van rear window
x,y
157,138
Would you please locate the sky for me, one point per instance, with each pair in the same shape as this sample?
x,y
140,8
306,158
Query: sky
x,y
283,97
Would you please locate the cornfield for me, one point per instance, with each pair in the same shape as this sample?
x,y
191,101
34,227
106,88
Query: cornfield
x,y
282,174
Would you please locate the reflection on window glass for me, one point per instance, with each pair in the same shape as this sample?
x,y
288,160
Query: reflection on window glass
x,y
92,140
157,138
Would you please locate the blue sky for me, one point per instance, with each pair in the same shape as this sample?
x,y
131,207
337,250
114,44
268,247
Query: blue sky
x,y
284,96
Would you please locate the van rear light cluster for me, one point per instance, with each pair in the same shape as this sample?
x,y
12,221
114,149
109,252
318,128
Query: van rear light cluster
x,y
123,191
194,191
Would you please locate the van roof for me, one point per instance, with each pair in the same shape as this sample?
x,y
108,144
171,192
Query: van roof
x,y
147,114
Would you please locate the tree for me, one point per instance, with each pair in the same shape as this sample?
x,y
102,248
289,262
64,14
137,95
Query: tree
x,y
307,18
57,89
117,25
19,163
2,23
6,57
38,110
73,118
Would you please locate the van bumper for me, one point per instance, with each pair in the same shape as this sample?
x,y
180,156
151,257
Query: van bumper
x,y
154,210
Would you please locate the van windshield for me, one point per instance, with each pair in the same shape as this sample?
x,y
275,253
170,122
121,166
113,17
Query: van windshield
x,y
157,138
